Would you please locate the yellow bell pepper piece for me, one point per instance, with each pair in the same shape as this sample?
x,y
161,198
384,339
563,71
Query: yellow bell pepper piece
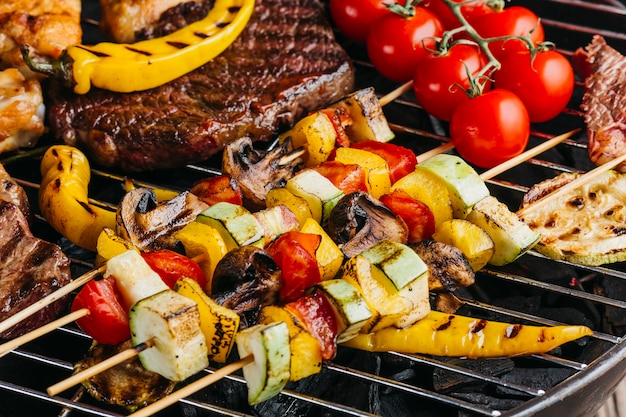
x,y
109,245
161,194
296,204
376,169
150,63
218,323
443,334
63,199
316,134
329,256
205,245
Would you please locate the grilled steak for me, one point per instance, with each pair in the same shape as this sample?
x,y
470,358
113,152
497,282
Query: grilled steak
x,y
12,192
604,103
30,269
285,64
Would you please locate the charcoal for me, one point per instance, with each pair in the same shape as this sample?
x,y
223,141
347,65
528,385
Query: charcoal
x,y
540,378
489,401
446,380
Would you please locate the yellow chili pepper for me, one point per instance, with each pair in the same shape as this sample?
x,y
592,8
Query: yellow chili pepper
x,y
443,334
150,63
63,199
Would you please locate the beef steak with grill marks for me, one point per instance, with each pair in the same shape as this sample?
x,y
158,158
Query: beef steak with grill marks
x,y
285,64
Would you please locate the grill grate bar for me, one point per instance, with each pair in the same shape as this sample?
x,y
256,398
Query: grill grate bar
x,y
444,399
471,373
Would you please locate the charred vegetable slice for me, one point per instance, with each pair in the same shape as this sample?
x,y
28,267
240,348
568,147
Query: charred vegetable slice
x,y
235,223
269,372
511,236
445,334
172,323
317,190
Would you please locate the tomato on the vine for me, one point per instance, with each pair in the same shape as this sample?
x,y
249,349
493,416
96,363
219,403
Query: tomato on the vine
x,y
440,81
511,21
396,43
491,128
470,10
544,85
354,18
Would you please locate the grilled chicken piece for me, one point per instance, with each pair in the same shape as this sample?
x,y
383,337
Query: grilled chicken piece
x,y
604,103
30,269
123,19
48,26
12,192
447,267
22,110
584,226
128,384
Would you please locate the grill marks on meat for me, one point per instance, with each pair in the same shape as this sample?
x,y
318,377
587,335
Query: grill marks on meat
x,y
285,64
604,103
30,269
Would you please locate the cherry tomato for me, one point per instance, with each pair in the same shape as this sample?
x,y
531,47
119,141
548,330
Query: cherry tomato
x,y
511,21
348,178
396,44
491,128
318,316
470,10
294,253
107,321
440,81
544,85
354,18
171,266
400,160
417,216
212,190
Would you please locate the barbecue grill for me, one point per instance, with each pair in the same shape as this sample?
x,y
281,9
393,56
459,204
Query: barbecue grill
x,y
573,380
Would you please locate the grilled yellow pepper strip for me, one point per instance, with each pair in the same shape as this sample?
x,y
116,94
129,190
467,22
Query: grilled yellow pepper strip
x,y
150,63
443,334
63,199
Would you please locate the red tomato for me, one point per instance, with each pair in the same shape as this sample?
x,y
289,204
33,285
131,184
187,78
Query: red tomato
x,y
354,18
107,321
219,188
400,160
544,85
417,216
294,253
396,44
347,177
470,11
440,81
318,316
512,21
491,128
171,266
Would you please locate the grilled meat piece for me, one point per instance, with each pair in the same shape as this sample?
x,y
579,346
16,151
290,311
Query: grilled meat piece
x,y
285,64
22,110
127,384
12,192
604,103
48,26
30,269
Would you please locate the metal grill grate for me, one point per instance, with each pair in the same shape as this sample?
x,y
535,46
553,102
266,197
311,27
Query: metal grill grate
x,y
592,368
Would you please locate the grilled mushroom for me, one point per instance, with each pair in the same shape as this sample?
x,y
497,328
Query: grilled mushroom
x,y
447,267
256,171
359,220
150,225
119,385
245,280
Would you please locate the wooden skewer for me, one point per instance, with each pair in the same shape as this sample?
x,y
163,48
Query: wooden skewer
x,y
435,151
78,377
50,298
391,96
572,185
527,155
192,388
40,331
